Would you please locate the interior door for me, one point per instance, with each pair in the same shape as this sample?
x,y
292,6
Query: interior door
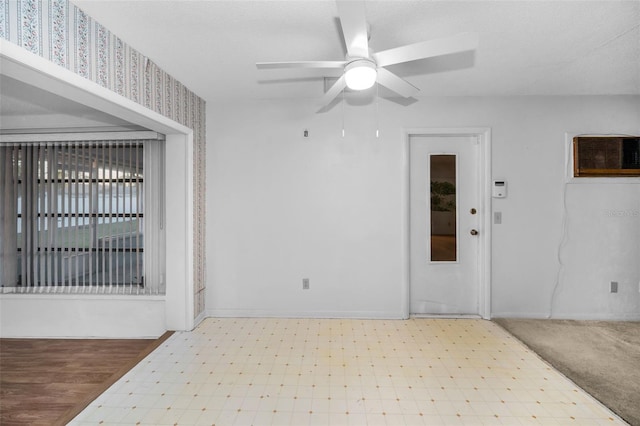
x,y
443,225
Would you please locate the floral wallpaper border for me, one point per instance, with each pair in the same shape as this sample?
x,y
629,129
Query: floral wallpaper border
x,y
62,33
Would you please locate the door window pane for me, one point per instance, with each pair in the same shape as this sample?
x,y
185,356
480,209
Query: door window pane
x,y
443,208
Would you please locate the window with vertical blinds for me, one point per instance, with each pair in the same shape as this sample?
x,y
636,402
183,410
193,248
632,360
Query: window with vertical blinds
x,y
79,215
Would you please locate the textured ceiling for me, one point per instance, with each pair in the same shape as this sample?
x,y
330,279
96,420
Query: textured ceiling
x,y
526,47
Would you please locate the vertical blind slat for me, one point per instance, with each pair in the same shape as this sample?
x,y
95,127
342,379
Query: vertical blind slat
x,y
26,222
83,212
23,208
134,228
135,185
54,220
43,232
103,220
92,219
73,256
61,207
128,241
118,236
36,208
110,239
48,218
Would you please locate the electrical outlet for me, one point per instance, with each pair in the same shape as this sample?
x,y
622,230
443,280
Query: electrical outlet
x,y
305,283
614,286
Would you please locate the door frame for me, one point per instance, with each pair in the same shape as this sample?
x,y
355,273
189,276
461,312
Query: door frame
x,y
483,135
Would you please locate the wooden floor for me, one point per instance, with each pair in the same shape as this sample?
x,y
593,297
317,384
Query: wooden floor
x,y
49,381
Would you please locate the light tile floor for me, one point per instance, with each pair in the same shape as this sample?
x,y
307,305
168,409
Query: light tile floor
x,y
248,371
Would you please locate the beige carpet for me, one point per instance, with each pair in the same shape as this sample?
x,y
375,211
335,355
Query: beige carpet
x,y
602,357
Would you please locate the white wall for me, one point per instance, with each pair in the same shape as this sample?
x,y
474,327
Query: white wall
x,y
282,207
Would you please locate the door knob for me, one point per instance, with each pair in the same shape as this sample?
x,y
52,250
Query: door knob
x,y
474,232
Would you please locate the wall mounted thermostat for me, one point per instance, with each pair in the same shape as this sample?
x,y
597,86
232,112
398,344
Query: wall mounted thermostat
x,y
499,189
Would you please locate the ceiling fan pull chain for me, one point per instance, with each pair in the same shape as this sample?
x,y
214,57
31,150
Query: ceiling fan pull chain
x,y
377,110
342,112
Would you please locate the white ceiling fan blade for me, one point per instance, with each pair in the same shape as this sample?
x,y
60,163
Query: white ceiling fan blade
x,y
332,93
301,64
354,27
427,49
395,83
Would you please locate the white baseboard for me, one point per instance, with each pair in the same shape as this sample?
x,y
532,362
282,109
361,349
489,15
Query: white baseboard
x,y
528,315
627,316
244,313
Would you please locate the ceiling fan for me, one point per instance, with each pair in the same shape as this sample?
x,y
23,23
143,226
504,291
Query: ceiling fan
x,y
362,67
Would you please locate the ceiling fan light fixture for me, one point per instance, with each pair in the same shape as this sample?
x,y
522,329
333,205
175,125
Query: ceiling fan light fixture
x,y
360,74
